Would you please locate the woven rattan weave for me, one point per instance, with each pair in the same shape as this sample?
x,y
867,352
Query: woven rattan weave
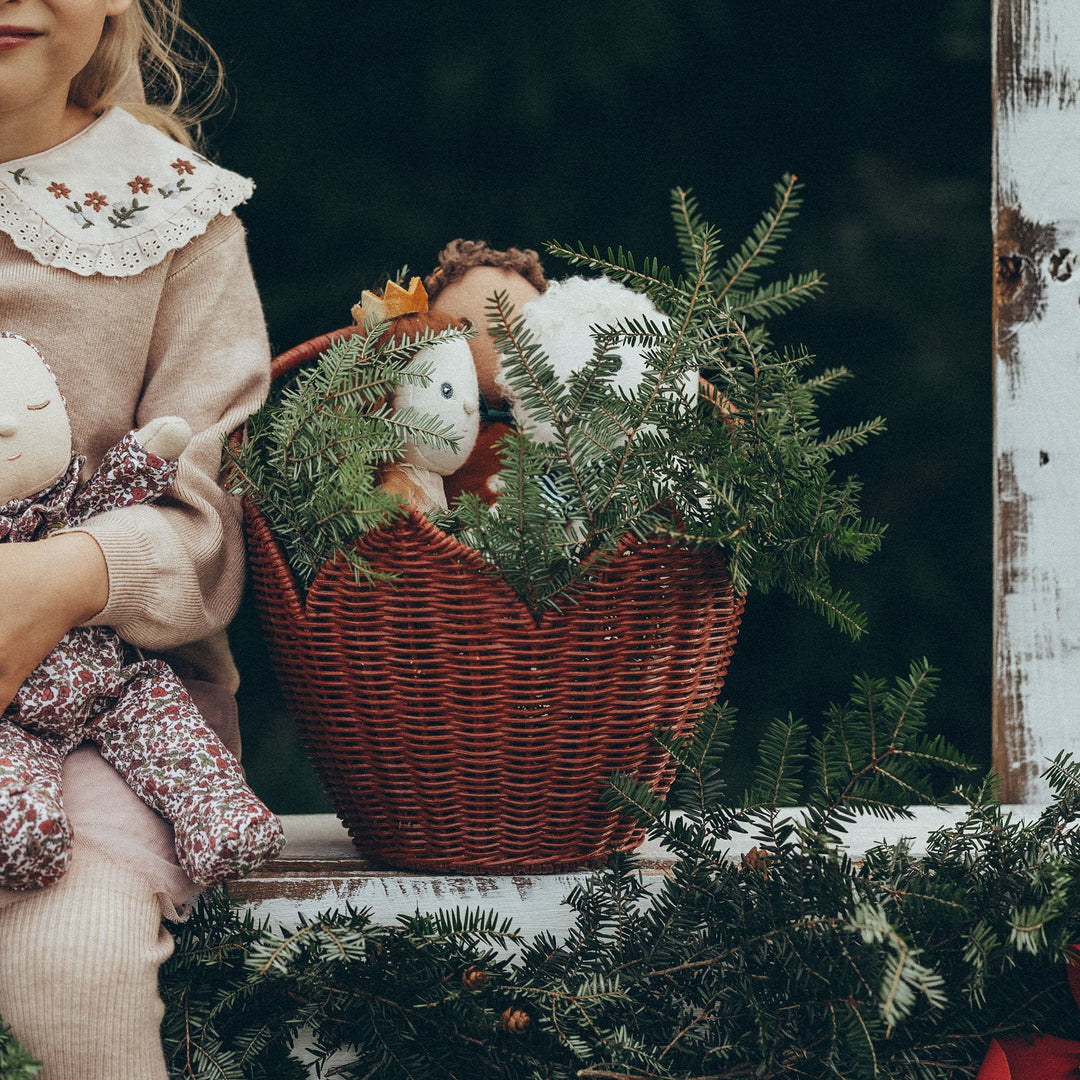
x,y
453,733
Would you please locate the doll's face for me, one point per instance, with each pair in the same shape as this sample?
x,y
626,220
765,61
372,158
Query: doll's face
x,y
469,297
453,395
35,435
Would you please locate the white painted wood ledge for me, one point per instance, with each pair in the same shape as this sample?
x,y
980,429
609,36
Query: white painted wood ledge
x,y
320,870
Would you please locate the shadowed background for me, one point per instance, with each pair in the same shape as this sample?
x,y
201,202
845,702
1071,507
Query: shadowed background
x,y
376,134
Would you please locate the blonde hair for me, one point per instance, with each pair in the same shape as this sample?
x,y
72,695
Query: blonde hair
x,y
151,43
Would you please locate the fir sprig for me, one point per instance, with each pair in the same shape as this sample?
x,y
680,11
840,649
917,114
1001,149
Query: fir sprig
x,y
748,470
15,1062
790,962
741,466
310,460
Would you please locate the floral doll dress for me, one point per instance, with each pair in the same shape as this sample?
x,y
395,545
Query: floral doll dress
x,y
136,711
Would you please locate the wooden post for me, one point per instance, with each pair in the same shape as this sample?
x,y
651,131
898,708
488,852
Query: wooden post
x,y
1036,218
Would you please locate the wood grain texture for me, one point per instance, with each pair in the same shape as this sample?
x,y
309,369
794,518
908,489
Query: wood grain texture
x,y
1036,220
321,871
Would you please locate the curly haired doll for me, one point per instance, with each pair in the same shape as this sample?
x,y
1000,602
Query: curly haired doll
x,y
469,274
136,711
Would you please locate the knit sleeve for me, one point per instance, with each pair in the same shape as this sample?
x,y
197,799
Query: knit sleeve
x,y
176,567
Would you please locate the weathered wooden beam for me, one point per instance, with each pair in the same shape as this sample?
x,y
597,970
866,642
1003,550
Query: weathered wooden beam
x,y
1036,221
320,870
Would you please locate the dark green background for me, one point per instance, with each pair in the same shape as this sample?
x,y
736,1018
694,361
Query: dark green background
x,y
376,133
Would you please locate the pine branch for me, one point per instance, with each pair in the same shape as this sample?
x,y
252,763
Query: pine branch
x,y
793,962
312,453
846,439
779,297
652,279
765,239
747,474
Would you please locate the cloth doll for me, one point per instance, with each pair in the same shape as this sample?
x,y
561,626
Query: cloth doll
x,y
135,710
468,276
560,315
563,322
450,393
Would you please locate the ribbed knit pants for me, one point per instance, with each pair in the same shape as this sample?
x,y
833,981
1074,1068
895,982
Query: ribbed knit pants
x,y
79,969
79,960
79,974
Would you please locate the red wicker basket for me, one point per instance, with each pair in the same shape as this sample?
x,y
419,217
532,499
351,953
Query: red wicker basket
x,y
453,733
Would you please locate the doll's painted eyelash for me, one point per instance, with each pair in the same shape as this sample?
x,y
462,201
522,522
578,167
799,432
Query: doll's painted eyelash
x,y
34,408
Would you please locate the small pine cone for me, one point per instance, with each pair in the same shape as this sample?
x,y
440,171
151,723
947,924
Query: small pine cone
x,y
473,977
756,860
514,1021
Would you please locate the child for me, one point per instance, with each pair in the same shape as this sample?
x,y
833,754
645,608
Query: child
x,y
121,260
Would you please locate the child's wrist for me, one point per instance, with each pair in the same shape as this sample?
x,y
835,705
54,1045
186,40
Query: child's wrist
x,y
83,572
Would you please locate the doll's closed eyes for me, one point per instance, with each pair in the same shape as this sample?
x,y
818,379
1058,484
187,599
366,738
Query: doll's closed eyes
x,y
35,435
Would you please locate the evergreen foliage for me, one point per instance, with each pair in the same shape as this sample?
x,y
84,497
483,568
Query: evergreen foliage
x,y
15,1062
311,453
791,962
745,468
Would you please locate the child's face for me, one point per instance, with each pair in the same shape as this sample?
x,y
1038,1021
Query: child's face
x,y
44,44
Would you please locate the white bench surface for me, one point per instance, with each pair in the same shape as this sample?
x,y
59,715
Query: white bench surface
x,y
320,870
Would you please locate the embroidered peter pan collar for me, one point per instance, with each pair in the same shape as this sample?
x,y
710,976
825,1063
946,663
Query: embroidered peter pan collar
x,y
114,199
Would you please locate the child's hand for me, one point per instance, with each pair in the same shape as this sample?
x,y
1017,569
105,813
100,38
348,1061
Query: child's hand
x,y
46,588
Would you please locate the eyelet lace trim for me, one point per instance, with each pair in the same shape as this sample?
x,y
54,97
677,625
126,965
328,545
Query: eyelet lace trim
x,y
113,200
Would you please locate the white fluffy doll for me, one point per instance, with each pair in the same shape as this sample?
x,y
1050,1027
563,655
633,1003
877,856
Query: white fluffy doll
x,y
563,321
451,393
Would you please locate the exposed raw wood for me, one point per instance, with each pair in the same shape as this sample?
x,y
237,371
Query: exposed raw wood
x,y
320,871
1036,217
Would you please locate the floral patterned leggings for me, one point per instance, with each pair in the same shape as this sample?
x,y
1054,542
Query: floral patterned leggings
x,y
147,727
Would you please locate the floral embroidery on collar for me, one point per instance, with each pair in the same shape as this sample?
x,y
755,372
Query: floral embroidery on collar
x,y
114,199
123,211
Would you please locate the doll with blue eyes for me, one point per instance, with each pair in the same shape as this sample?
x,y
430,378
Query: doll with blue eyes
x,y
451,393
89,688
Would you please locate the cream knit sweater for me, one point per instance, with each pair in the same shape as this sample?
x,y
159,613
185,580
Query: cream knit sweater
x,y
121,260
179,331
186,338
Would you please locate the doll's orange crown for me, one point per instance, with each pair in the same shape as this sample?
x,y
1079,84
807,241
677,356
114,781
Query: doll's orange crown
x,y
394,301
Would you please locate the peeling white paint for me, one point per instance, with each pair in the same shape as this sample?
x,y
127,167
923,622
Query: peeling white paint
x,y
321,871
1037,389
